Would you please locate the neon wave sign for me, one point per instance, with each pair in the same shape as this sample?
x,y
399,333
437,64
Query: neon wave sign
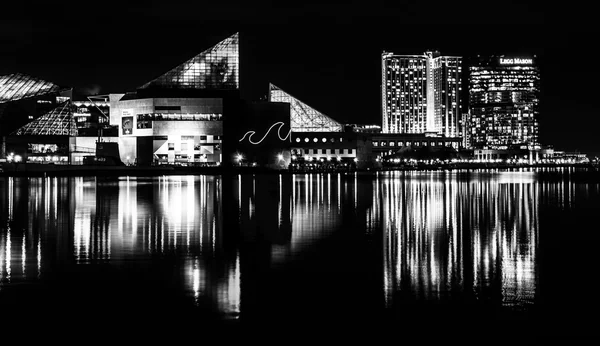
x,y
250,134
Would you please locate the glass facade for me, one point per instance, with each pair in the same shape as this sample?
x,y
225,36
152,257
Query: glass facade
x,y
214,68
421,93
144,121
90,113
304,118
59,121
19,86
504,103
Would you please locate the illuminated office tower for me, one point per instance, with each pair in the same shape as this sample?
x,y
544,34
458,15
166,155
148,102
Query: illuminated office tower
x,y
421,93
504,103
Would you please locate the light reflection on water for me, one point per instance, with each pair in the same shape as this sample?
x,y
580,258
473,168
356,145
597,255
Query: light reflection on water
x,y
93,221
445,235
295,211
442,236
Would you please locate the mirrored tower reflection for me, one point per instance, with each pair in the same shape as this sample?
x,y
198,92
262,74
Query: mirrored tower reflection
x,y
447,236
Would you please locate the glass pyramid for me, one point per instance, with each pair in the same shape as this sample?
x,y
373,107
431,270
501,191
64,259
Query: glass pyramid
x,y
214,68
18,86
58,121
303,118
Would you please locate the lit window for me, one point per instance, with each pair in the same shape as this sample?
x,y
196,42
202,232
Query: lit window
x,y
324,139
297,139
306,139
315,140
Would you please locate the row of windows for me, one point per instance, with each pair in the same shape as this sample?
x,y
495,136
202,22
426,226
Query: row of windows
x,y
190,138
316,140
197,146
409,143
323,151
144,121
167,108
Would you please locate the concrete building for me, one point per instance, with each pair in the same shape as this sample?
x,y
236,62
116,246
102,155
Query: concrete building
x,y
169,130
178,117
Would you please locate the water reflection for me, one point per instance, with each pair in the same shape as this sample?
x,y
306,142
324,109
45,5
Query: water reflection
x,y
434,236
448,236
294,212
124,222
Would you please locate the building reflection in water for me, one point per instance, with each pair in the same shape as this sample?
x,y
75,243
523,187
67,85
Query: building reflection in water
x,y
123,221
21,234
291,213
445,234
448,236
316,207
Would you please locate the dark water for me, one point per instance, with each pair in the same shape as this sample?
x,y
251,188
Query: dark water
x,y
459,252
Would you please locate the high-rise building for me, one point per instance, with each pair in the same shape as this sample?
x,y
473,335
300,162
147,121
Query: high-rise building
x,y
421,93
504,102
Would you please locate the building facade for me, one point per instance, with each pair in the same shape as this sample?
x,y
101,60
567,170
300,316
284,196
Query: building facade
x,y
504,103
24,99
169,130
319,141
421,93
261,135
178,117
91,113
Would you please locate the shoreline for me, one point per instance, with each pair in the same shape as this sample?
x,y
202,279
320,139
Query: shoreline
x,y
39,170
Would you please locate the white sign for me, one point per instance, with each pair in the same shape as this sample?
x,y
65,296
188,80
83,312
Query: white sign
x,y
516,61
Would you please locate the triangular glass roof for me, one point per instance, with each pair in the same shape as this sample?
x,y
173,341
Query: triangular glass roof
x,y
303,118
214,68
18,86
59,121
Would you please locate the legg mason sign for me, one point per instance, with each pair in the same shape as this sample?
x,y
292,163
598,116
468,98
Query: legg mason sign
x,y
516,61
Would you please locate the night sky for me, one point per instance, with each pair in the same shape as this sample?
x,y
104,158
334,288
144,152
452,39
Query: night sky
x,y
327,55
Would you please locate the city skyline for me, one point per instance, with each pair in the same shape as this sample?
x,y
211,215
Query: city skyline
x,y
169,168
326,64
